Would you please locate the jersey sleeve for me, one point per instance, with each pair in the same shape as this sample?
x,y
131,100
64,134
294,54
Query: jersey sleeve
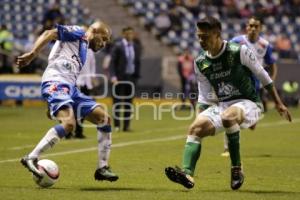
x,y
206,94
249,60
236,40
69,33
268,58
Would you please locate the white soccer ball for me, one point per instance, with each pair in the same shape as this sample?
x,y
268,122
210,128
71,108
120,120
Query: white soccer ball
x,y
50,173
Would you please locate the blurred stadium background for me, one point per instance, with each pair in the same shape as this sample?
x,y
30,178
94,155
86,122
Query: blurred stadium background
x,y
165,28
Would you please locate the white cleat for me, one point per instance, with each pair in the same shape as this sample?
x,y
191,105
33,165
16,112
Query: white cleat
x,y
31,165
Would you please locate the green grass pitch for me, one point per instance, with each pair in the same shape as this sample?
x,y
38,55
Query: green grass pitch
x,y
270,155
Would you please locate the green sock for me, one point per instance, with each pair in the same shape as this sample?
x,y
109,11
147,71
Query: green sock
x,y
191,155
234,148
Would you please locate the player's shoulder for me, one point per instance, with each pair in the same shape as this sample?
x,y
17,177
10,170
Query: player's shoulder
x,y
200,57
238,39
233,47
262,41
70,28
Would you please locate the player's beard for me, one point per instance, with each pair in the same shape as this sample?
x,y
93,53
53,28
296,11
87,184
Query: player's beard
x,y
93,45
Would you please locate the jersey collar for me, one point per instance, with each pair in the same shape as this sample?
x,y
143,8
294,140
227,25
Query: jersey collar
x,y
220,53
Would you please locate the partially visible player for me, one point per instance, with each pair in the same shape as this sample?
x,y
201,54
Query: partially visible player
x,y
228,98
65,101
263,52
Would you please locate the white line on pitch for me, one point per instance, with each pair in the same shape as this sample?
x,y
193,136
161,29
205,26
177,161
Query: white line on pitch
x,y
115,135
278,123
123,144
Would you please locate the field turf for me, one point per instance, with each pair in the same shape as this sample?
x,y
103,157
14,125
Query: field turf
x,y
270,155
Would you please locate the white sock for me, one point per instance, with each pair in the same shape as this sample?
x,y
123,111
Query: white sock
x,y
104,145
225,141
48,141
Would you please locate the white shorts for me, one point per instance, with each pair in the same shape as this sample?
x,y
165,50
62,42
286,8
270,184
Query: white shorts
x,y
251,110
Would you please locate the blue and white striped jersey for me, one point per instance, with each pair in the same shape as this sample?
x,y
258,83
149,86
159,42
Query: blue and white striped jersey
x,y
67,56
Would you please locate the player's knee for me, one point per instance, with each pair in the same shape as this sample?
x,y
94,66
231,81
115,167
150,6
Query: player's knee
x,y
103,119
228,118
199,129
202,128
195,129
69,125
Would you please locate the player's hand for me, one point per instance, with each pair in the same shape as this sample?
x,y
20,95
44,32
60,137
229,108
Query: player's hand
x,y
25,59
283,111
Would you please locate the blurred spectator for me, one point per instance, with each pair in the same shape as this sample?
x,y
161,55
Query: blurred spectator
x,y
283,46
176,3
124,67
295,8
230,8
163,23
52,16
6,48
185,67
175,18
246,11
193,6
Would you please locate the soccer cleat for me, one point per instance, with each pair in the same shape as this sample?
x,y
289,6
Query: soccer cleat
x,y
31,165
177,175
105,174
237,177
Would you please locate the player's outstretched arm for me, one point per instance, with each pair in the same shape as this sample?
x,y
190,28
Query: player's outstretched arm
x,y
249,59
41,42
281,108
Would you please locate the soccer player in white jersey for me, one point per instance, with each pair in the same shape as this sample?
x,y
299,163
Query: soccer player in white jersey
x,y
263,52
227,98
66,103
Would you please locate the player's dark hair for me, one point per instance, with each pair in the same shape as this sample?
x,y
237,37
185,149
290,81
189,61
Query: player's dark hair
x,y
257,18
210,23
127,28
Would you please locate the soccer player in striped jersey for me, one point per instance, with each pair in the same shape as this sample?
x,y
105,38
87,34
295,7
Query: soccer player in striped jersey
x,y
263,52
65,102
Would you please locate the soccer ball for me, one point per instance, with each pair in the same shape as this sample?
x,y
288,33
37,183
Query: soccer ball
x,y
49,171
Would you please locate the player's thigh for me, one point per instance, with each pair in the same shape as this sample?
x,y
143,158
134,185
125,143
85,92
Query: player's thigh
x,y
66,117
231,115
65,113
98,116
213,115
57,95
252,112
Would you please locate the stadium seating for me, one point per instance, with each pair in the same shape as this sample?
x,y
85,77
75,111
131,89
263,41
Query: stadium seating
x,y
23,16
147,10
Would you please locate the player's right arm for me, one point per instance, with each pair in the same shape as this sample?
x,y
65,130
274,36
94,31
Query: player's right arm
x,y
41,42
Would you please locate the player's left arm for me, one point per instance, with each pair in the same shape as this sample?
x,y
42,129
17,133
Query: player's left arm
x,y
40,43
249,59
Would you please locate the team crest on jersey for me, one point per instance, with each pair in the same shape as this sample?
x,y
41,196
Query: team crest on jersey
x,y
260,51
227,89
67,65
